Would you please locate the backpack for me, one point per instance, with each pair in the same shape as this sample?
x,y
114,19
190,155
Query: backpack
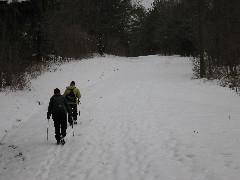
x,y
71,97
58,106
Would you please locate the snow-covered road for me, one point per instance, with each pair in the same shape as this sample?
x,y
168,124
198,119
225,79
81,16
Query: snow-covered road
x,y
141,119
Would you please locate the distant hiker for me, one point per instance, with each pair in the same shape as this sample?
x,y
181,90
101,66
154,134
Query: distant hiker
x,y
72,95
58,108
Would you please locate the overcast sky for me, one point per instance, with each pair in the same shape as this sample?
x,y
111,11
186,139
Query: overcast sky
x,y
146,3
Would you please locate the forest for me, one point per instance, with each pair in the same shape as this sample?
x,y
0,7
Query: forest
x,y
35,32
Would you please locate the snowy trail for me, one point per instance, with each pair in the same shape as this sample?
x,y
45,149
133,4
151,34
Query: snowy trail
x,y
141,119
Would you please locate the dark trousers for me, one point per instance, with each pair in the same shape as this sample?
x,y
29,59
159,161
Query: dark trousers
x,y
60,124
74,112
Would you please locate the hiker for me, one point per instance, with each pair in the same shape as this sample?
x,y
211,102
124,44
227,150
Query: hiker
x,y
72,95
58,108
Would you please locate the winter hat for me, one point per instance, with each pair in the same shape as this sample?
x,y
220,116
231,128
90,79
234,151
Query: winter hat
x,y
56,91
72,83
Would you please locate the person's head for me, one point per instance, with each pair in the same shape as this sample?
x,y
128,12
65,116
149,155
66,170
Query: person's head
x,y
72,83
56,91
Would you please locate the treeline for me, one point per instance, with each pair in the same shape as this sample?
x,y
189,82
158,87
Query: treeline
x,y
31,31
206,29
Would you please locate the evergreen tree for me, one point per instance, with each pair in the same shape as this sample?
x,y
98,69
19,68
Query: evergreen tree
x,y
108,19
168,29
133,37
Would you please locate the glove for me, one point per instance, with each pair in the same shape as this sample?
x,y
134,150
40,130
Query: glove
x,y
48,115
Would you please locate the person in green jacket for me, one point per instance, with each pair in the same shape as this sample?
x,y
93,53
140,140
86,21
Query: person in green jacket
x,y
72,95
58,108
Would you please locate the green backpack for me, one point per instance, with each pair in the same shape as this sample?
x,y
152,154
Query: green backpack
x,y
58,105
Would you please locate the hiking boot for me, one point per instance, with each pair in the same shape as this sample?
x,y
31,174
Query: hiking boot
x,y
62,141
58,142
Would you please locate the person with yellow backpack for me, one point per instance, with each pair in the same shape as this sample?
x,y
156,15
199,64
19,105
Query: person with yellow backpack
x,y
72,95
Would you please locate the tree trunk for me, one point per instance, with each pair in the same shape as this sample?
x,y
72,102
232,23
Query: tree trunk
x,y
100,45
200,38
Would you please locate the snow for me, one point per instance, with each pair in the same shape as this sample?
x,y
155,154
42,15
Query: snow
x,y
141,118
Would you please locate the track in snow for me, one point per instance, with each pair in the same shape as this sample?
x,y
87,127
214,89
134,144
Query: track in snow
x,y
141,118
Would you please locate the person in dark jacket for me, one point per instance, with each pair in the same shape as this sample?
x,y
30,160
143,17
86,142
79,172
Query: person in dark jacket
x,y
72,95
58,108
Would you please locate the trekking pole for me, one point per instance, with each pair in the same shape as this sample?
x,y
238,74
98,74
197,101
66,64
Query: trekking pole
x,y
72,129
79,110
47,129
